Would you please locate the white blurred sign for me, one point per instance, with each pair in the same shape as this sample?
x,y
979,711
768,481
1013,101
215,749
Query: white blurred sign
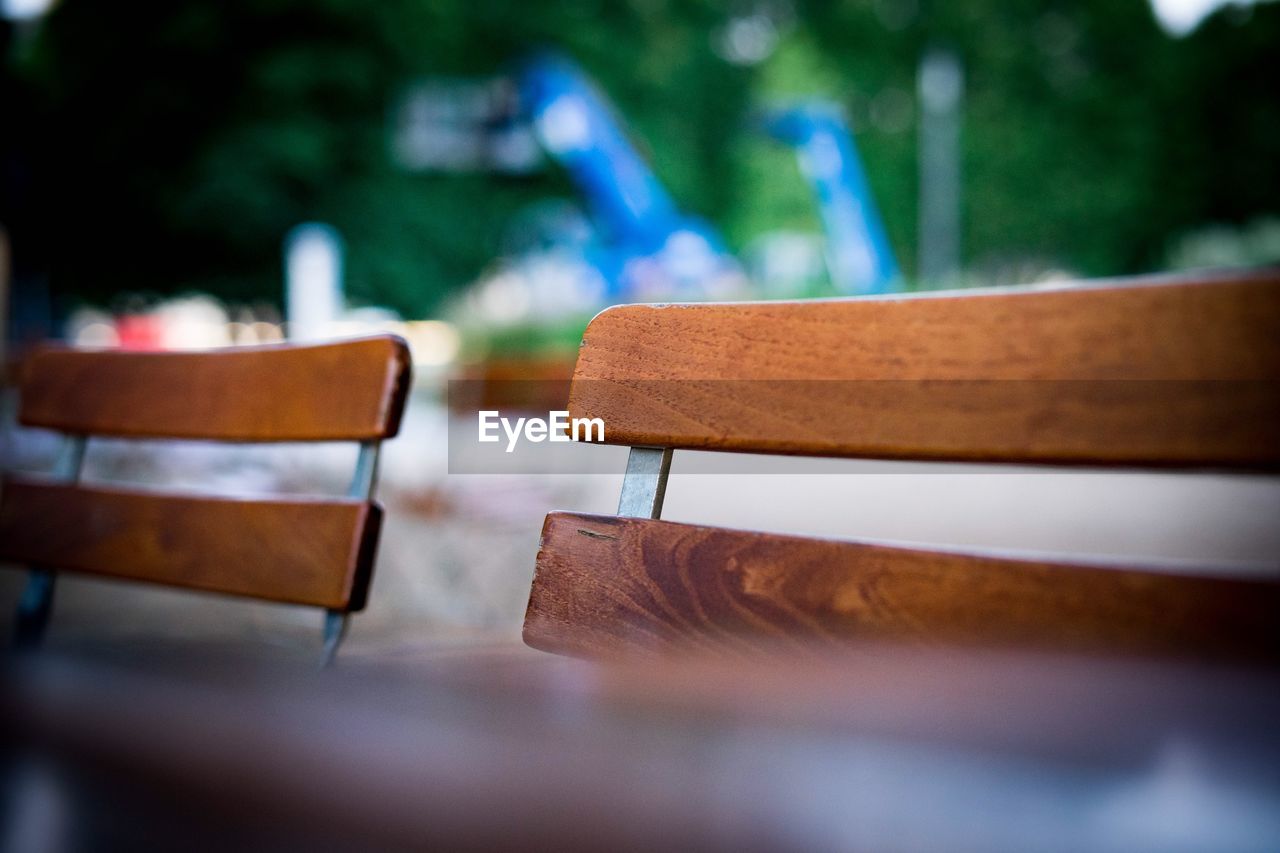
x,y
313,281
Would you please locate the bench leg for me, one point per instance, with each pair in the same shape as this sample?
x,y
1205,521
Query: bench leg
x,y
335,628
34,609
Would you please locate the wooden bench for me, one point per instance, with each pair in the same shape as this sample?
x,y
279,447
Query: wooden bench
x,y
1173,373
300,550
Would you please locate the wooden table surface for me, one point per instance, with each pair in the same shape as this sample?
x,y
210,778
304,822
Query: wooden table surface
x,y
882,748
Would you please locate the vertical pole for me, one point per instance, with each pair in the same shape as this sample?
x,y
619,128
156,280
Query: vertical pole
x,y
941,90
313,281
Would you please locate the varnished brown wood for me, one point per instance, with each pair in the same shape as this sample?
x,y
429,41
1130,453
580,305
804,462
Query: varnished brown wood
x,y
1169,371
300,551
351,390
605,585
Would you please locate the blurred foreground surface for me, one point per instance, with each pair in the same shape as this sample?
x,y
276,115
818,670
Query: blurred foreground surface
x,y
882,748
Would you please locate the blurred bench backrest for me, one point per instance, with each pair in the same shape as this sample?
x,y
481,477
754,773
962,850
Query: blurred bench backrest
x,y
1163,372
303,550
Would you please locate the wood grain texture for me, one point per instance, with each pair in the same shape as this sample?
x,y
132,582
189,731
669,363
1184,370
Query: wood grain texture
x,y
1167,371
316,552
346,391
605,585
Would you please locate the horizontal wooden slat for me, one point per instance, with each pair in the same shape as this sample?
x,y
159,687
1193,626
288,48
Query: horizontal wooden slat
x,y
316,552
351,390
1179,372
605,584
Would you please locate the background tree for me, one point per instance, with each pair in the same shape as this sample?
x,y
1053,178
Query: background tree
x,y
170,146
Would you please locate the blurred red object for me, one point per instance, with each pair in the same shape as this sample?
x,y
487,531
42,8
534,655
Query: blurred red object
x,y
139,332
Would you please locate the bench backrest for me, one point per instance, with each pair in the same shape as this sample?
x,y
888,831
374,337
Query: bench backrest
x,y
301,550
1180,372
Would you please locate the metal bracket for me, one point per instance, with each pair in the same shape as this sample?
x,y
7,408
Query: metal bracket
x,y
335,628
36,604
645,483
365,479
71,461
363,484
34,608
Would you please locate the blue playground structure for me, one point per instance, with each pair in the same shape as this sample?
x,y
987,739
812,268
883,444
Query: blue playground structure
x,y
636,245
859,259
644,245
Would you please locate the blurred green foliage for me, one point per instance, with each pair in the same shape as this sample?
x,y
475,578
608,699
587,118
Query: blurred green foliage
x,y
172,145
